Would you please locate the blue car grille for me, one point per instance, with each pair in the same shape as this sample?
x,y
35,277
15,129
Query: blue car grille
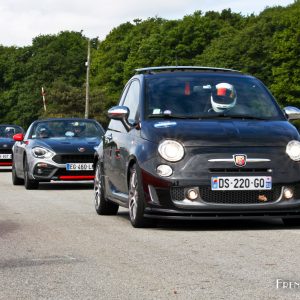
x,y
5,150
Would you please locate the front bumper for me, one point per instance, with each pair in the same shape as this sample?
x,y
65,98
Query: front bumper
x,y
48,169
166,199
6,162
159,213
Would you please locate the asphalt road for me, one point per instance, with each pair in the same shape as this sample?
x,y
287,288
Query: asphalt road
x,y
54,246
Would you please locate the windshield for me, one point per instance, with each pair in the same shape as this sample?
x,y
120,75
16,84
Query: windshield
x,y
65,129
8,131
208,96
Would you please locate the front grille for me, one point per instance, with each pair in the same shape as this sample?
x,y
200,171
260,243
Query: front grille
x,y
77,158
5,151
64,172
239,197
177,193
230,197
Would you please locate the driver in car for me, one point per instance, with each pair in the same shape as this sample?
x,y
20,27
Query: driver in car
x,y
9,132
42,132
223,97
78,129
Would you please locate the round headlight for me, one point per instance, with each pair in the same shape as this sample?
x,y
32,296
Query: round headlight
x,y
171,150
293,150
164,170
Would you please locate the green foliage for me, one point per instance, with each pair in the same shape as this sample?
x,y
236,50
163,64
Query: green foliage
x,y
24,71
286,58
65,100
266,46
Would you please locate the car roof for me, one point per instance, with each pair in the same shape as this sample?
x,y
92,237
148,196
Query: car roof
x,y
168,69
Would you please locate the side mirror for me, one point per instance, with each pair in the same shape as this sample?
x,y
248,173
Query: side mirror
x,y
120,113
292,113
19,137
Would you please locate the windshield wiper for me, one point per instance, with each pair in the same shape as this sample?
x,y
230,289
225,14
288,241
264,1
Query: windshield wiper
x,y
170,116
225,116
248,117
207,116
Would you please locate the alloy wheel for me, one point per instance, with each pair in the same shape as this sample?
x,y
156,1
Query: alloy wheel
x,y
133,196
97,187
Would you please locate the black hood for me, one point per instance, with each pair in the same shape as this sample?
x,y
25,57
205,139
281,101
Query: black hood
x,y
68,145
221,132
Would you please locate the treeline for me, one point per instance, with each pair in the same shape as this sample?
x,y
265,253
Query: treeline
x,y
266,46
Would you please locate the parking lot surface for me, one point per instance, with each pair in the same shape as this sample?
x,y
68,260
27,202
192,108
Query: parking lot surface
x,y
54,246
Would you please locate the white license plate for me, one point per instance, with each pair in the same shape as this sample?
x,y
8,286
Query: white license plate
x,y
5,156
228,183
79,167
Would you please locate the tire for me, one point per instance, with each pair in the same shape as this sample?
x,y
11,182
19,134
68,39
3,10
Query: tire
x,y
30,184
15,179
136,202
291,221
102,205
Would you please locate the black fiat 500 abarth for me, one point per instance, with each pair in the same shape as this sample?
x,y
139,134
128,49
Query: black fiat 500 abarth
x,y
198,143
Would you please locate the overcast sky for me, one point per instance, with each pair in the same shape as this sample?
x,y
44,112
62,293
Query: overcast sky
x,y
22,20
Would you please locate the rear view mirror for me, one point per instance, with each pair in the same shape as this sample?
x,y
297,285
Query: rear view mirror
x,y
292,113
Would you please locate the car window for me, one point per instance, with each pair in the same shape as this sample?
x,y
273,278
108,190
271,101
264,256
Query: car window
x,y
9,131
132,100
208,96
65,128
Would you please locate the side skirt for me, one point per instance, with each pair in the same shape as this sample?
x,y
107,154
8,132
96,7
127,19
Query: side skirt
x,y
115,196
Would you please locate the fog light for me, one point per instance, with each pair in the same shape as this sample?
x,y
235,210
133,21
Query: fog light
x,y
192,194
164,170
42,165
288,193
